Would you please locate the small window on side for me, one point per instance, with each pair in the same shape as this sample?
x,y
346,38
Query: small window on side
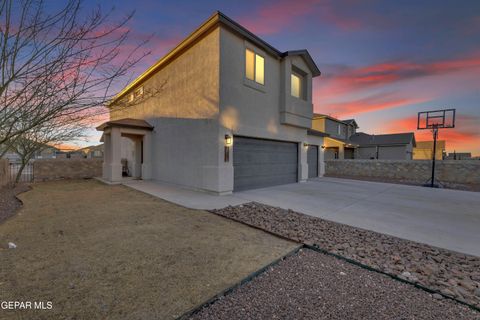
x,y
138,93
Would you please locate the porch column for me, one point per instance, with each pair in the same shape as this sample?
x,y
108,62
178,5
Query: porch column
x,y
341,152
106,157
321,160
116,155
302,163
137,160
147,156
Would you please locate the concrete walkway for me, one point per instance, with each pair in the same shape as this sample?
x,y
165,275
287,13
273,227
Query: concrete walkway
x,y
444,218
185,197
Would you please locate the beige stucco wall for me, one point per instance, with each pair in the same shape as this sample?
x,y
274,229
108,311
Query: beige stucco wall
x,y
185,140
319,124
57,169
252,110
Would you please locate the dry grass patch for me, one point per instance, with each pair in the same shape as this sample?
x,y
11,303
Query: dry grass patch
x,y
100,251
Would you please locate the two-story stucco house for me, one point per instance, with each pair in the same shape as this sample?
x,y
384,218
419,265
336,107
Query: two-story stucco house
x,y
223,111
337,144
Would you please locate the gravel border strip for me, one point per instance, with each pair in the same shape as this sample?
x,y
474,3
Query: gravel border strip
x,y
317,248
245,280
313,285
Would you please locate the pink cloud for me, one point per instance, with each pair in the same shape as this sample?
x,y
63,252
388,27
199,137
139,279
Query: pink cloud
x,y
369,104
280,15
381,74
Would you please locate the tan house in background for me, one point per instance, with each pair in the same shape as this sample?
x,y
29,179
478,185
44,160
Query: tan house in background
x,y
337,144
424,150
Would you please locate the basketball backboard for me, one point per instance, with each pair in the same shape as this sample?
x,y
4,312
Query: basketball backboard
x,y
436,119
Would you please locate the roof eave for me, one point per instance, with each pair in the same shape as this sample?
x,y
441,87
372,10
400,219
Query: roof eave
x,y
308,59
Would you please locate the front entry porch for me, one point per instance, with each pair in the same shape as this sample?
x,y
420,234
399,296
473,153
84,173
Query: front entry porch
x,y
127,155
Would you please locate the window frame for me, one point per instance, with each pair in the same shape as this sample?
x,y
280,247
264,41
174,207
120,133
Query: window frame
x,y
300,85
302,76
256,54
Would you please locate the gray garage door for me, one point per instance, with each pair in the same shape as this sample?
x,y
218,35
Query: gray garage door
x,y
312,161
261,163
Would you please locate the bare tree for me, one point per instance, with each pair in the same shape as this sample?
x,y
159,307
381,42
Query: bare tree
x,y
58,69
49,134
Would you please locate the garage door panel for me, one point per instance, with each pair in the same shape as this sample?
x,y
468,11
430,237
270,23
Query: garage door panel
x,y
262,163
256,170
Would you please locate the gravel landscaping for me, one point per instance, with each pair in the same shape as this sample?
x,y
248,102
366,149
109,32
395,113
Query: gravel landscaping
x,y
311,285
453,274
9,204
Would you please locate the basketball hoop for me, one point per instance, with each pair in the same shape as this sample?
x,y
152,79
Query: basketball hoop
x,y
435,120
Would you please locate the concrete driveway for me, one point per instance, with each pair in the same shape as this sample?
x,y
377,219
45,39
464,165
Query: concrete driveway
x,y
444,218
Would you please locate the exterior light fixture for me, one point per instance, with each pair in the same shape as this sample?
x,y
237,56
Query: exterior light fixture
x,y
228,143
305,145
228,140
323,147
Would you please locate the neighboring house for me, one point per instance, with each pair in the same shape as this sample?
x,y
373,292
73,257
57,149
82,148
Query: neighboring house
x,y
70,154
92,152
424,150
223,111
397,146
459,156
48,152
337,144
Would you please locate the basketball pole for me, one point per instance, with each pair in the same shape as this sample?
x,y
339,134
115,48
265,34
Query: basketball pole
x,y
435,134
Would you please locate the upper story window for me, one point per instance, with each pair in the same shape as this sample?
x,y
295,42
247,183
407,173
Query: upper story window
x,y
297,85
254,67
138,93
339,130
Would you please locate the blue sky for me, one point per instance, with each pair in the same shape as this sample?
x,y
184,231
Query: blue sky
x,y
381,61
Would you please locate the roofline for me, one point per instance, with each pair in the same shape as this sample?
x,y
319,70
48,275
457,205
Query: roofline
x,y
313,132
111,124
356,124
324,116
345,142
206,27
383,144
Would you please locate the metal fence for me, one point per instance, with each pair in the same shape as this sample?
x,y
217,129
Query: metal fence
x,y
27,173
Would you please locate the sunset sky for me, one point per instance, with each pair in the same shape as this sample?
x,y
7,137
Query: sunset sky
x,y
381,61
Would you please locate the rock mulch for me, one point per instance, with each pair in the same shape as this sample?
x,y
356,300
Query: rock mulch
x,y
453,274
9,204
311,285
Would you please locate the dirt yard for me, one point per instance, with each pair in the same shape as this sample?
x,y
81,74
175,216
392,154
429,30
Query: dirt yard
x,y
98,251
